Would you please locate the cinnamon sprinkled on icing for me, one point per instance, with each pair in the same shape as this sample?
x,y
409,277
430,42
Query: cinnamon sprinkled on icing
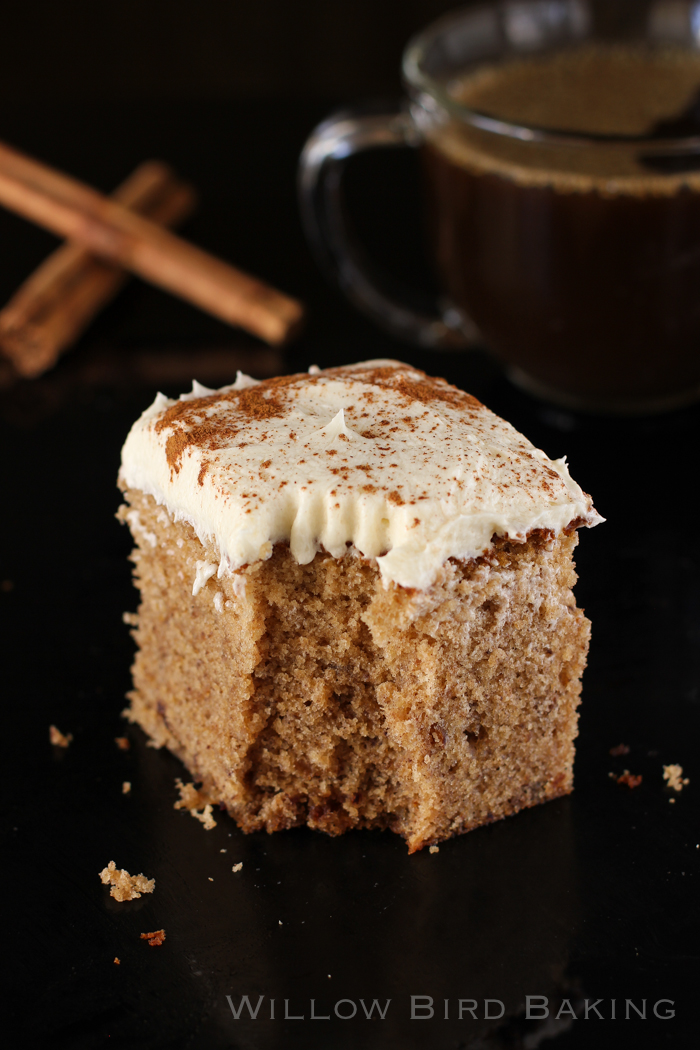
x,y
345,457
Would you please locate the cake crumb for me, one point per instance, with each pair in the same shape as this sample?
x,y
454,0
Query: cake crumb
x,y
205,817
434,849
122,742
58,738
125,887
673,775
237,867
117,961
631,780
222,851
210,878
196,802
126,787
619,749
155,939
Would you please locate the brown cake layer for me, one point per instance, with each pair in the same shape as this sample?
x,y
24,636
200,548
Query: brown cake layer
x,y
313,694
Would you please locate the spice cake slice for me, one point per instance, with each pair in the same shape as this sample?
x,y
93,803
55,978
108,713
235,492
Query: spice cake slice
x,y
356,601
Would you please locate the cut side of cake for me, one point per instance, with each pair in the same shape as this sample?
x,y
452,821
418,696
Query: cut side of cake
x,y
356,602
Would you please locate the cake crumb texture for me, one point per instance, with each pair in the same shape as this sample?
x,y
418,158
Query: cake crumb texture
x,y
123,886
630,780
59,739
673,775
319,694
196,802
155,939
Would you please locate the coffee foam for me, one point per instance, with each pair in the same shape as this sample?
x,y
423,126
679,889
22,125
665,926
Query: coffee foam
x,y
587,90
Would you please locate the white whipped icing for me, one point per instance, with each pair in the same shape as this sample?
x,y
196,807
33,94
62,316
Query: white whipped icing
x,y
406,469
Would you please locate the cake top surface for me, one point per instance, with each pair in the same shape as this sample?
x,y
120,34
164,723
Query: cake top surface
x,y
378,456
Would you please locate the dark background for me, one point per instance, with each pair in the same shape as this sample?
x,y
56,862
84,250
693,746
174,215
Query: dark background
x,y
225,49
589,897
219,49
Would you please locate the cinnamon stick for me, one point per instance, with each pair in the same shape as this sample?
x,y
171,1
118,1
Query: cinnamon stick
x,y
57,302
79,213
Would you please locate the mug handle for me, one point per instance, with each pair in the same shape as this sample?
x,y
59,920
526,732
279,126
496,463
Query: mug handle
x,y
338,252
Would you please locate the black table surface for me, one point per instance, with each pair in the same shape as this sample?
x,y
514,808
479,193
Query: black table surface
x,y
589,902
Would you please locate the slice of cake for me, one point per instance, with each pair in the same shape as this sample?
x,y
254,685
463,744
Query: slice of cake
x,y
356,605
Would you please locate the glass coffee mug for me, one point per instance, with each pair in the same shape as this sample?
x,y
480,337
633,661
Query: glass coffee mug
x,y
562,182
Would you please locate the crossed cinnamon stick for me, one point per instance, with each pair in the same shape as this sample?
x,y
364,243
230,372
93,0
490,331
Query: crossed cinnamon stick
x,y
106,237
56,303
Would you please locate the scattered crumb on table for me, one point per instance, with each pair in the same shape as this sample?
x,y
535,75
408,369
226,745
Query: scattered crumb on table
x,y
673,775
117,961
222,851
196,803
190,797
434,849
631,780
122,742
237,867
155,939
125,887
58,738
126,787
205,817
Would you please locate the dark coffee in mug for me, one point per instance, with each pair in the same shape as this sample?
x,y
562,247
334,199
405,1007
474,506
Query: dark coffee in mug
x,y
580,263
